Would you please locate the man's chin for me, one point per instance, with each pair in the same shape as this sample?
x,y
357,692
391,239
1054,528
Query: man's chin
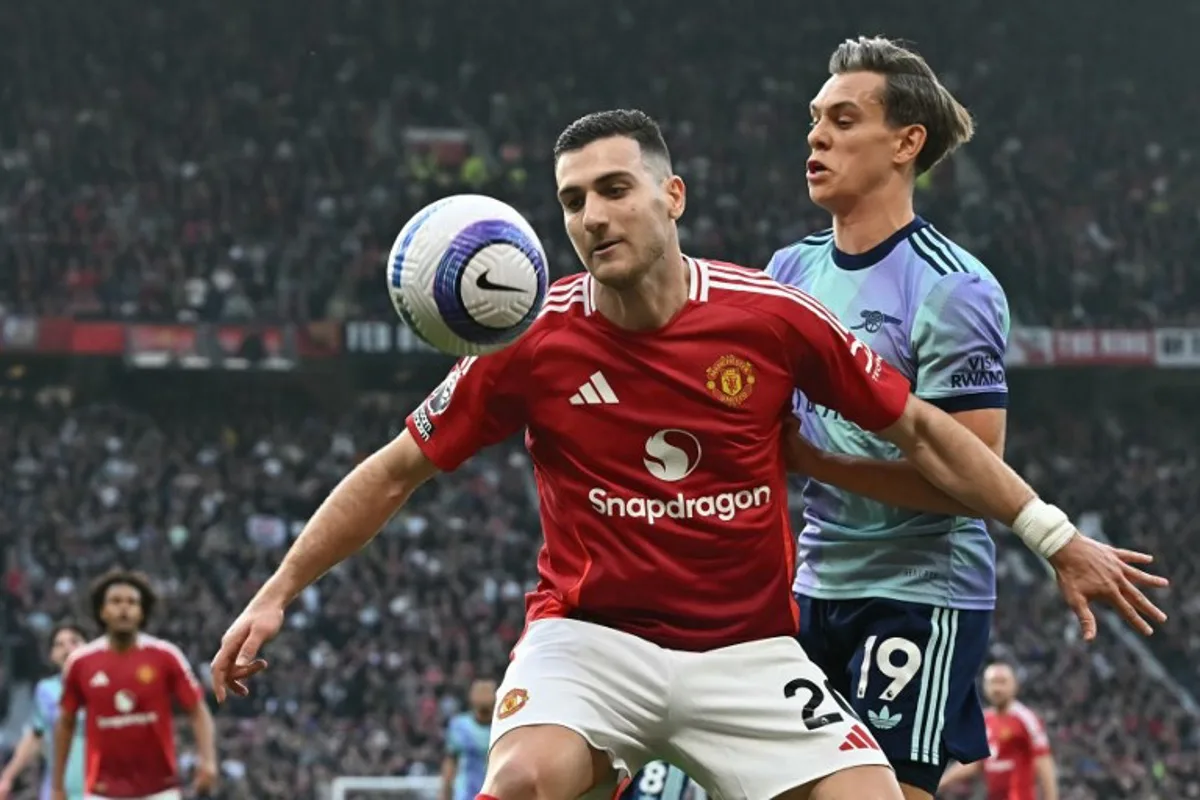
x,y
822,196
614,273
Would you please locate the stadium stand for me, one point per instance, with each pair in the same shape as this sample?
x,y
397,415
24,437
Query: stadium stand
x,y
250,164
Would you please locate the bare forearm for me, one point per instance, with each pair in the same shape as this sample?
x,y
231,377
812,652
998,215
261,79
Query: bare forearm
x,y
958,773
957,462
202,730
24,755
64,732
1047,777
449,773
893,483
348,519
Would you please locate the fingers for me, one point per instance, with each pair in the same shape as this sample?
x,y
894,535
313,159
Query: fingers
x,y
242,671
1121,594
1128,613
250,647
1087,620
1133,556
237,679
1137,576
222,663
1144,606
229,671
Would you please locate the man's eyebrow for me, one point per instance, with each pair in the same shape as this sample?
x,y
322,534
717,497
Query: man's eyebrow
x,y
841,105
607,177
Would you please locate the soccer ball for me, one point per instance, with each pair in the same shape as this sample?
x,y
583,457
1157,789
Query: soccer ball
x,y
467,274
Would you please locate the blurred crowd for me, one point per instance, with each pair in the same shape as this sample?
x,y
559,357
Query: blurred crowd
x,y
220,160
379,654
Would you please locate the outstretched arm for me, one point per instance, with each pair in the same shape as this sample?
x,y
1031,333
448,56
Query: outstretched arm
x,y
480,402
895,483
957,462
350,517
834,369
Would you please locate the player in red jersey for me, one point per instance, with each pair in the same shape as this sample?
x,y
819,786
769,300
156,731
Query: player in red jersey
x,y
653,390
1021,764
127,682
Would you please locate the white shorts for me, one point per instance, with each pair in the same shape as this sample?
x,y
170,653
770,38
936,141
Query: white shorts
x,y
746,722
169,794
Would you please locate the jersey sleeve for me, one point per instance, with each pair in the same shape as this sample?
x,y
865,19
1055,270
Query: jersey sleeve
x,y
185,689
837,370
72,691
959,339
1039,742
481,402
454,743
777,266
37,720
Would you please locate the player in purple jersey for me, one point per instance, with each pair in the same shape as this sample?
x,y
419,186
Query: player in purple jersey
x,y
895,604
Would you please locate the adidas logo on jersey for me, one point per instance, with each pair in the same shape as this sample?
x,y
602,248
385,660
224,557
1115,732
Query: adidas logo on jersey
x,y
99,679
884,719
594,392
858,739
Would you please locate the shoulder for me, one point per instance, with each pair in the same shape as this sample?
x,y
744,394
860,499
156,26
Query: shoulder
x,y
723,283
567,300
790,260
47,687
566,297
85,655
941,267
166,651
1026,717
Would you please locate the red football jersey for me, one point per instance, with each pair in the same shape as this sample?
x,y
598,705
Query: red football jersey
x,y
1016,738
128,697
662,486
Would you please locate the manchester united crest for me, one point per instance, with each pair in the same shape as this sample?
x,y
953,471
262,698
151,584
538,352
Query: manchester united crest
x,y
731,380
145,673
512,702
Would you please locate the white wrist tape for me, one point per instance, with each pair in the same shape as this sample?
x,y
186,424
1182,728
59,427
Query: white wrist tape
x,y
1043,527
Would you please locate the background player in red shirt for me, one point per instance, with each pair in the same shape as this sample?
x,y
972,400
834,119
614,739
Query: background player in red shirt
x,y
128,683
653,389
1021,763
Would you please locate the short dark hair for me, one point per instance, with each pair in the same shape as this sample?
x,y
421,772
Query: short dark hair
x,y
122,577
913,95
67,625
630,123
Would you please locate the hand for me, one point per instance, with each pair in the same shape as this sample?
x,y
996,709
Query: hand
x,y
799,455
205,779
238,658
5,787
1089,570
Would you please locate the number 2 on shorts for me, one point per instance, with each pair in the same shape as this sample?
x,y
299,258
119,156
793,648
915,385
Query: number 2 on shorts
x,y
901,674
815,698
